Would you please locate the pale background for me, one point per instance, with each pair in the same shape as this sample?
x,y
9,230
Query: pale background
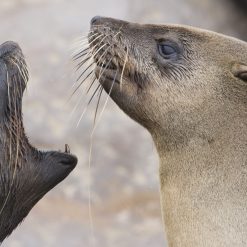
x,y
124,168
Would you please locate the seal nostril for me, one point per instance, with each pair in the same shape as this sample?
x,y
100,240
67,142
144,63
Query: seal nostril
x,y
95,20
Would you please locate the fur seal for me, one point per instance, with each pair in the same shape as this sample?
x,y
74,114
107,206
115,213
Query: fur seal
x,y
188,88
26,173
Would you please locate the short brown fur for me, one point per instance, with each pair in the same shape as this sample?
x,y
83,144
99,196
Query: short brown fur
x,y
195,108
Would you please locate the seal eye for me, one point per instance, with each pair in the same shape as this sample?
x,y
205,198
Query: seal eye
x,y
167,51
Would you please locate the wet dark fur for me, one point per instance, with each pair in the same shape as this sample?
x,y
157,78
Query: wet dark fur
x,y
26,174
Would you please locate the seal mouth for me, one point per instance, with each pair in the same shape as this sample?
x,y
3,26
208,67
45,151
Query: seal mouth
x,y
109,75
107,65
106,60
112,57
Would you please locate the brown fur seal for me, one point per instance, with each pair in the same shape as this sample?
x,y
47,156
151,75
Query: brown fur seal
x,y
26,173
188,88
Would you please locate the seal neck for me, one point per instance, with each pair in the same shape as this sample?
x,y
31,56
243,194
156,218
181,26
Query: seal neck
x,y
202,178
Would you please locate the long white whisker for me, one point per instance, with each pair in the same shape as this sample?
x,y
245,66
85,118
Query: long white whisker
x,y
90,161
105,68
103,109
121,77
78,55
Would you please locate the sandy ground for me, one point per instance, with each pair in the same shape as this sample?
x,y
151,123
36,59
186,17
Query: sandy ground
x,y
124,168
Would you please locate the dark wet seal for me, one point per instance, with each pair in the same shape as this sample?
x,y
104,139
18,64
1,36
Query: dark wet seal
x,y
26,174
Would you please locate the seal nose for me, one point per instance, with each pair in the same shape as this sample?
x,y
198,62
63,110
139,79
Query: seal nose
x,y
8,47
69,160
95,20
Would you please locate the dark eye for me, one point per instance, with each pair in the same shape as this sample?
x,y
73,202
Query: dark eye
x,y
167,51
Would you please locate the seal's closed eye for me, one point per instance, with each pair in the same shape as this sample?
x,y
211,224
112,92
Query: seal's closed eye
x,y
167,50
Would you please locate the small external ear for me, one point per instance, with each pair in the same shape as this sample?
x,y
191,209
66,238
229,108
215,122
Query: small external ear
x,y
239,70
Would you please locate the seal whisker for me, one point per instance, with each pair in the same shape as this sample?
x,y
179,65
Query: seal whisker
x,y
97,106
21,70
9,104
81,97
77,41
89,66
17,145
90,160
79,55
95,91
125,62
97,51
80,39
85,109
78,66
83,36
104,54
84,55
91,84
93,54
108,63
84,79
105,104
88,59
81,49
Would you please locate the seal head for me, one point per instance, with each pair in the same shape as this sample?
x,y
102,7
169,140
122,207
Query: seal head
x,y
188,88
26,173
163,75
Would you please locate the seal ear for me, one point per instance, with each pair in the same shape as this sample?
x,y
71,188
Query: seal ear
x,y
239,70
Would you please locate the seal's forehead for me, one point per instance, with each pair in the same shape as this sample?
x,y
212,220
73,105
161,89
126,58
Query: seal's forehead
x,y
178,31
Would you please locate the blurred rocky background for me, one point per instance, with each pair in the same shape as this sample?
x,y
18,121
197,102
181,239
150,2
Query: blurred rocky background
x,y
124,168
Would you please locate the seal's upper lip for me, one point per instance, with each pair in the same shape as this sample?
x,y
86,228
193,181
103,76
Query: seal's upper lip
x,y
107,73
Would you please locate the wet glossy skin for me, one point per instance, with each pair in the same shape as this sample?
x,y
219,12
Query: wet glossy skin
x,y
26,174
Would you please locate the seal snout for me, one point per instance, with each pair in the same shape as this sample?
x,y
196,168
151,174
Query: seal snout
x,y
68,160
8,48
96,20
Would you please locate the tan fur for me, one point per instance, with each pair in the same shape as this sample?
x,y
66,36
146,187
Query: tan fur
x,y
197,116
